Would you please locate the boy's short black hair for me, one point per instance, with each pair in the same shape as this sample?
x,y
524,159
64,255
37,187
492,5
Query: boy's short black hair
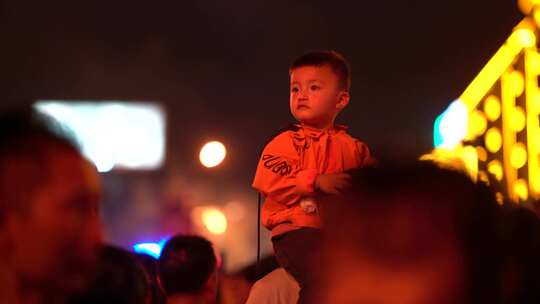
x,y
186,264
335,60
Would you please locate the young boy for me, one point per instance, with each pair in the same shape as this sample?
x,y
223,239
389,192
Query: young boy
x,y
307,160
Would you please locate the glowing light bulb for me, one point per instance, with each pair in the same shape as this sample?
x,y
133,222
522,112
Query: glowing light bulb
x,y
482,154
492,107
499,197
518,156
517,83
493,140
521,190
212,154
496,169
523,37
517,119
536,16
478,123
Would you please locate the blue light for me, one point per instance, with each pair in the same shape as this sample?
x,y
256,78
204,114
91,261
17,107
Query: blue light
x,y
151,249
437,136
450,128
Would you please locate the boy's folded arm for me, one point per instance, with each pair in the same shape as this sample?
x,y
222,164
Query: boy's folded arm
x,y
286,189
279,175
305,182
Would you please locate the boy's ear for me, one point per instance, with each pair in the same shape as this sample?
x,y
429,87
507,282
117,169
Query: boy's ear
x,y
343,100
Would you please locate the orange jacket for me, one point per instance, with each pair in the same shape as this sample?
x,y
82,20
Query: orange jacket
x,y
289,165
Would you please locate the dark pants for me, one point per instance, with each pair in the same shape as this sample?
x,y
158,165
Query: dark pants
x,y
295,252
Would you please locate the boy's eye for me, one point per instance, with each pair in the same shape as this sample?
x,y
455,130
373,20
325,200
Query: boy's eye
x,y
315,87
294,89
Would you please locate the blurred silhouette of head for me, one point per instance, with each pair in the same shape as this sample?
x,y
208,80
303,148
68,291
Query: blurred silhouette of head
x,y
187,267
49,196
417,234
521,249
120,279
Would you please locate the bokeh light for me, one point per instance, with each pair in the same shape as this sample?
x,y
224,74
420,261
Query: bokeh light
x,y
493,140
477,123
523,37
214,220
212,154
518,156
496,169
113,134
517,119
517,83
482,154
451,126
492,107
521,190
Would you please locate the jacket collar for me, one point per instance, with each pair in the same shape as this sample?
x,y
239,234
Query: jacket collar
x,y
314,133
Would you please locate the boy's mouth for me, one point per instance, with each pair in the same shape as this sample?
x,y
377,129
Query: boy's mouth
x,y
302,107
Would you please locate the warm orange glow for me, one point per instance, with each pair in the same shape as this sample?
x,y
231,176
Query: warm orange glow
x,y
536,16
489,75
517,119
511,156
499,197
212,154
508,100
496,169
522,37
493,140
469,155
534,107
517,83
518,158
482,154
521,190
214,220
492,107
532,65
526,6
483,177
477,123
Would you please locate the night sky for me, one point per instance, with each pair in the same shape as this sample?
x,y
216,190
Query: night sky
x,y
221,67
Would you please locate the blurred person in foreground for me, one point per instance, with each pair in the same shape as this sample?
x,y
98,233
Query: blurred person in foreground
x,y
277,287
187,270
521,248
120,279
49,224
417,235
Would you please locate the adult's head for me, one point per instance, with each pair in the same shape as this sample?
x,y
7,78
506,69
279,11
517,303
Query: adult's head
x,y
49,195
187,267
411,235
120,279
521,248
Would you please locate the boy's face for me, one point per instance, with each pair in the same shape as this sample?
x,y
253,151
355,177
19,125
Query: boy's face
x,y
315,96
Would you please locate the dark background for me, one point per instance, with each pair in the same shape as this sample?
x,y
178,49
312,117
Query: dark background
x,y
220,68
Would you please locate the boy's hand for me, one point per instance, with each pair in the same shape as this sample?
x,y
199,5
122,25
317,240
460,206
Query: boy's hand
x,y
332,183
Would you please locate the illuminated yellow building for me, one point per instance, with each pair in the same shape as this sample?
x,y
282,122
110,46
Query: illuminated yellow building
x,y
493,128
